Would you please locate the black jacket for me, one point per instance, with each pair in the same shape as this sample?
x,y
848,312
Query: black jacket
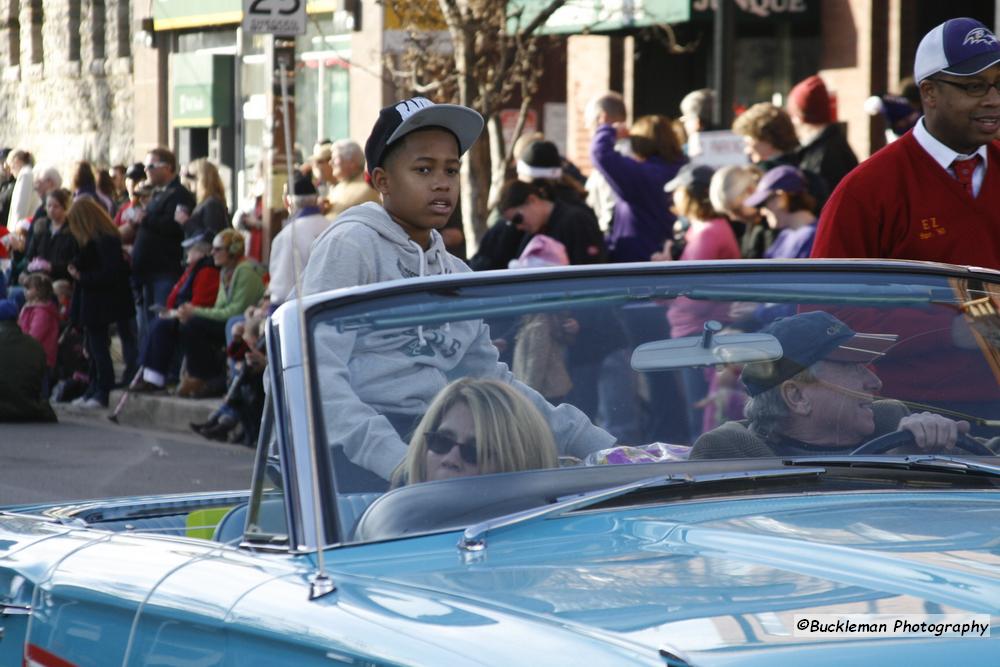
x,y
102,294
157,248
828,155
59,250
23,362
208,216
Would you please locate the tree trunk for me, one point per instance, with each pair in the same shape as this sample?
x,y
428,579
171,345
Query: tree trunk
x,y
475,193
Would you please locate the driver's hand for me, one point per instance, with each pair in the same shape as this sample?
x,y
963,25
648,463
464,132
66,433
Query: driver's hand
x,y
932,431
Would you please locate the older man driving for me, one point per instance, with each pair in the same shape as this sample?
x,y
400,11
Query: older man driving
x,y
819,398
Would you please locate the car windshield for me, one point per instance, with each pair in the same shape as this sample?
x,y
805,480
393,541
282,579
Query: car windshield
x,y
508,377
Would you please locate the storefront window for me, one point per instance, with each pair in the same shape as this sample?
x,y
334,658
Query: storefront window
x,y
322,81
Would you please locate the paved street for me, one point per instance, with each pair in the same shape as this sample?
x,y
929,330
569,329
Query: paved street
x,y
91,458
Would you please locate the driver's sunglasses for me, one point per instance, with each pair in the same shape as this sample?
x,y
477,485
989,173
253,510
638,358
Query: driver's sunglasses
x,y
441,444
973,89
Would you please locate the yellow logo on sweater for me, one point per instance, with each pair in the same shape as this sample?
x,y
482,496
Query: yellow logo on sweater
x,y
931,228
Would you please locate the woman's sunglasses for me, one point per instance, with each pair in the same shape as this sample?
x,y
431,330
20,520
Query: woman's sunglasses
x,y
441,444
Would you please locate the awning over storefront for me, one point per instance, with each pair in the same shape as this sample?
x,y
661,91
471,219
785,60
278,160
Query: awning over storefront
x,y
181,14
202,93
601,15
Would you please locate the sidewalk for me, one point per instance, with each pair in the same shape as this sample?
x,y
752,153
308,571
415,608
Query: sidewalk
x,y
158,412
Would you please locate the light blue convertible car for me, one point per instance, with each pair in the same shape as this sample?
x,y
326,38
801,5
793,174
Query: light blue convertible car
x,y
744,463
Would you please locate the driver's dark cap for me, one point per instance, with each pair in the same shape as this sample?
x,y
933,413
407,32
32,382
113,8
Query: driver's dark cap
x,y
810,337
397,120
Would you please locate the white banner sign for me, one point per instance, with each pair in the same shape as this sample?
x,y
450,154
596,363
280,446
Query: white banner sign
x,y
274,17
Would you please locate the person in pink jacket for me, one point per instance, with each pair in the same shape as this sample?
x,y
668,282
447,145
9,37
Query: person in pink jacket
x,y
40,318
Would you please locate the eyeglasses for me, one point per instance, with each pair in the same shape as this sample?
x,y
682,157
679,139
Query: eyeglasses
x,y
190,177
154,165
218,248
973,89
441,444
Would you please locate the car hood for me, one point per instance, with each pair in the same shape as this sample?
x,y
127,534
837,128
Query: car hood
x,y
708,578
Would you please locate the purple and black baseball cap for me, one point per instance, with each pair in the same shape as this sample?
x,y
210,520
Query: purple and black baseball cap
x,y
397,120
785,178
961,47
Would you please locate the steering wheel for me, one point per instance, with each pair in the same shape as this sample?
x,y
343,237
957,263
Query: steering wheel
x,y
884,443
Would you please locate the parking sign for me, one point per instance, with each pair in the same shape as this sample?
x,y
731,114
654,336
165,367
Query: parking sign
x,y
274,17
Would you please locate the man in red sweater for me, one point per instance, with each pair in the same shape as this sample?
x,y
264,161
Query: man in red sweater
x,y
935,193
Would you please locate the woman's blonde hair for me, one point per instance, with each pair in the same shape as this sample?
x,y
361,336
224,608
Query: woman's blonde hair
x,y
87,220
511,434
655,136
208,183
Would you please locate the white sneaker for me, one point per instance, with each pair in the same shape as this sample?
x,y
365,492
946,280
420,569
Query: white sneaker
x,y
77,402
92,404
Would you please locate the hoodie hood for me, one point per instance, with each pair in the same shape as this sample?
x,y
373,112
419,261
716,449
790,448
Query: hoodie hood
x,y
366,246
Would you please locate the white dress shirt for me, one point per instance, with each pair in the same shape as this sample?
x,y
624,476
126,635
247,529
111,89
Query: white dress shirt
x,y
944,156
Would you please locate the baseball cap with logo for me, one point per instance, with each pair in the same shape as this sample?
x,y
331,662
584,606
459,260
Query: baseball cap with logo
x,y
784,178
810,337
961,47
397,120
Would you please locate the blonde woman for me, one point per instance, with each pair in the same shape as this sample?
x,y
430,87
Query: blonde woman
x,y
477,427
210,213
102,295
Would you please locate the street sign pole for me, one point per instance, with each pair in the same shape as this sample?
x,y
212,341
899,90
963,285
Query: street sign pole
x,y
280,20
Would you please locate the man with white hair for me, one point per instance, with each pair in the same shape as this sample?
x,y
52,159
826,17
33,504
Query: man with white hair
x,y
290,248
47,180
348,170
23,201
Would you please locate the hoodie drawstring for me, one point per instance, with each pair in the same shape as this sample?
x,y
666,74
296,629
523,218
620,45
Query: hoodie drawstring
x,y
423,270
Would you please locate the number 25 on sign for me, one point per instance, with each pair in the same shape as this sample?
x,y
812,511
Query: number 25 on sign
x,y
275,17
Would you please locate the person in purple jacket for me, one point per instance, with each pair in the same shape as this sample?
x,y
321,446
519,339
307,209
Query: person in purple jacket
x,y
783,198
642,218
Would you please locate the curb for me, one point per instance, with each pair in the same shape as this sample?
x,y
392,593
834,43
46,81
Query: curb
x,y
159,412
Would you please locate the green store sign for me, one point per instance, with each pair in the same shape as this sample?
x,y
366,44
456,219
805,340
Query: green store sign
x,y
202,90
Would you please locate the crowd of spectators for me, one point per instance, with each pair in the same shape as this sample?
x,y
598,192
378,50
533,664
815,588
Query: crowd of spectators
x,y
152,253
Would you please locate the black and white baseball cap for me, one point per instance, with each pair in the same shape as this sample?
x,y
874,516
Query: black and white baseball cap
x,y
961,47
397,120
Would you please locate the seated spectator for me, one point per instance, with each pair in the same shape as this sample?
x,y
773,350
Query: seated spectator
x,y
203,329
39,317
23,362
477,427
789,209
199,286
210,213
238,418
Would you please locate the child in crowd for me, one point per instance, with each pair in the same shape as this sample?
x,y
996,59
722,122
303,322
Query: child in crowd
x,y
63,291
40,318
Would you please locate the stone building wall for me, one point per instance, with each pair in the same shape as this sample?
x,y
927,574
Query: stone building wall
x,y
66,80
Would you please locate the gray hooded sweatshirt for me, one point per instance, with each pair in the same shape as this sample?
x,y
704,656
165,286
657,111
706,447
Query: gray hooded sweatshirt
x,y
365,375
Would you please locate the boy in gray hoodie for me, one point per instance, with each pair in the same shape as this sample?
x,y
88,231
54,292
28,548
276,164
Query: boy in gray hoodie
x,y
372,381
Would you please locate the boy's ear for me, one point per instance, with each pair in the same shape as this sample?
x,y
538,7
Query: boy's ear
x,y
380,180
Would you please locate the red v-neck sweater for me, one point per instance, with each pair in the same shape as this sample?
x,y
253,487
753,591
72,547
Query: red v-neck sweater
x,y
901,204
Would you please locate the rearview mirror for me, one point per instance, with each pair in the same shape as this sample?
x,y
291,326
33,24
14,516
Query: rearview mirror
x,y
706,350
